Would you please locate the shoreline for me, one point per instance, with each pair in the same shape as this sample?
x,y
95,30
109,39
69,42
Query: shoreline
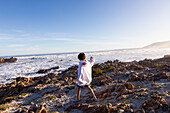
x,y
32,64
115,84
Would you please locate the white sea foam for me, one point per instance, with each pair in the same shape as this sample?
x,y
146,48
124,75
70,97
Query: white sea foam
x,y
26,66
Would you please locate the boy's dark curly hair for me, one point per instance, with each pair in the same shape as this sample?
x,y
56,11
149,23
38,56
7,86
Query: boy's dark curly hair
x,y
81,56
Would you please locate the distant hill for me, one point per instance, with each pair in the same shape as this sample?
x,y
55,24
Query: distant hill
x,y
158,45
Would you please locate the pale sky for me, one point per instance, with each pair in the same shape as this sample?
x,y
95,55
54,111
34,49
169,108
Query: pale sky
x,y
57,26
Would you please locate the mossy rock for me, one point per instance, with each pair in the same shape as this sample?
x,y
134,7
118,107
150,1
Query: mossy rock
x,y
51,97
108,68
97,72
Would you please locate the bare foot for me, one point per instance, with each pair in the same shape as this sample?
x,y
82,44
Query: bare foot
x,y
96,99
77,100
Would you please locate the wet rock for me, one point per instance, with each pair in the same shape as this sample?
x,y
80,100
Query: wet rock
x,y
43,71
11,60
8,60
116,61
2,60
56,67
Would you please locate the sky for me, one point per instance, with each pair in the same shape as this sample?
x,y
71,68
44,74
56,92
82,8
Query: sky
x,y
57,26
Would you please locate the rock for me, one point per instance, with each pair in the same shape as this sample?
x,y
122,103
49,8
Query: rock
x,y
11,60
31,112
120,81
18,111
59,105
163,75
22,110
105,93
116,61
133,78
119,88
165,67
66,79
44,111
21,79
8,60
44,80
129,86
2,60
140,111
56,67
168,78
43,71
154,102
122,87
121,97
166,56
33,108
41,109
61,94
120,111
102,80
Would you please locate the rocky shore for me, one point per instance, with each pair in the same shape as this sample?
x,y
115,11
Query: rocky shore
x,y
8,60
121,87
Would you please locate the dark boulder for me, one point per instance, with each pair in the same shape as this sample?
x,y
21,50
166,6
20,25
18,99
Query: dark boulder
x,y
56,67
8,60
11,60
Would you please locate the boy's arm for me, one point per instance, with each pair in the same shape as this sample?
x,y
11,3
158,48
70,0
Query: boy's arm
x,y
92,60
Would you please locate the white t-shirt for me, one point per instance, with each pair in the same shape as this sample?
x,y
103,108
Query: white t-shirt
x,y
85,72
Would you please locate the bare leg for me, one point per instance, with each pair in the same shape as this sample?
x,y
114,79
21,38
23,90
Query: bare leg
x,y
91,90
78,93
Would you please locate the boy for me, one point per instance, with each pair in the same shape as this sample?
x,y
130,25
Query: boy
x,y
84,74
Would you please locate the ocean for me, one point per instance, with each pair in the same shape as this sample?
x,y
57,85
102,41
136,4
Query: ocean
x,y
27,65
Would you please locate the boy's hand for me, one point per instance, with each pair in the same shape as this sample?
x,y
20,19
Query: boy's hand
x,y
91,59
